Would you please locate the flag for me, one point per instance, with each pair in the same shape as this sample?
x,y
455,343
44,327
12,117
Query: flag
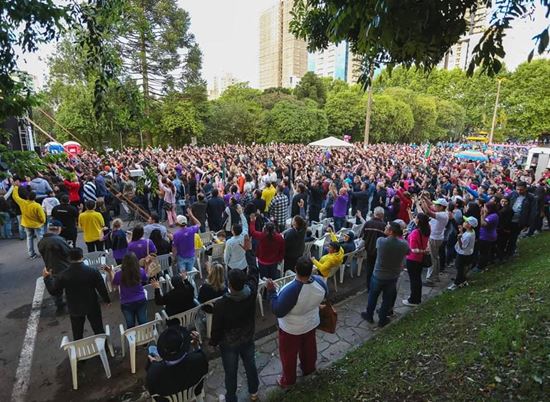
x,y
428,151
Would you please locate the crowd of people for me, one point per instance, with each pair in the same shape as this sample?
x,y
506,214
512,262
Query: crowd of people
x,y
420,209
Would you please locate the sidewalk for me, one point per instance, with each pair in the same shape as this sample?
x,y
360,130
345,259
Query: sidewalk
x,y
352,331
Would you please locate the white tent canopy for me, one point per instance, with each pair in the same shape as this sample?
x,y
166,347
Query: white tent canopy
x,y
330,142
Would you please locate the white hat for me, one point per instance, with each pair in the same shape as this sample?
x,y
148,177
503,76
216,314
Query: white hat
x,y
471,220
181,220
441,201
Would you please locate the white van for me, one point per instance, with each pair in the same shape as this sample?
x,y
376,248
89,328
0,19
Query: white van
x,y
538,160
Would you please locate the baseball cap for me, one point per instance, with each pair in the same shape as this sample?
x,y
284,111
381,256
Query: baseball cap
x,y
471,220
441,201
55,223
181,220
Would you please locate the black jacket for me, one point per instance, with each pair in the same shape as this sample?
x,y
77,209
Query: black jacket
x,y
178,300
167,380
361,201
68,216
214,212
372,230
234,317
81,284
294,243
295,209
199,210
55,252
528,210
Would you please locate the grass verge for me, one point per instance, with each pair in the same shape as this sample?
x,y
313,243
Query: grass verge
x,y
489,341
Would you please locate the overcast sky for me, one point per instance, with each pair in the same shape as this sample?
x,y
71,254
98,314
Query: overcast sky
x,y
228,33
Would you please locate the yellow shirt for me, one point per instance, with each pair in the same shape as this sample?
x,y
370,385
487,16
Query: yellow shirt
x,y
198,242
329,261
32,213
92,224
267,195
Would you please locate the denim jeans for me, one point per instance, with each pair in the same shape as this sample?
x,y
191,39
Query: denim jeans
x,y
135,310
31,235
268,271
185,263
230,360
21,229
5,228
339,223
388,288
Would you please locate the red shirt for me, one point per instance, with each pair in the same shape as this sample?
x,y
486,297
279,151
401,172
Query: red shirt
x,y
73,188
270,250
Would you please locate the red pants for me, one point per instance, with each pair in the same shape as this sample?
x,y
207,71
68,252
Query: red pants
x,y
292,346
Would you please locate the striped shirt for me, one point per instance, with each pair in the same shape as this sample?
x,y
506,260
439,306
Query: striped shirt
x,y
90,191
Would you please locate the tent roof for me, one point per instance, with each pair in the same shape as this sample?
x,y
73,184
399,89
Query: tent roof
x,y
330,142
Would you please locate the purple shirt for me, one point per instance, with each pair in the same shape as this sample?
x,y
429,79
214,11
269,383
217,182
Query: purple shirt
x,y
340,206
139,248
131,294
184,241
489,232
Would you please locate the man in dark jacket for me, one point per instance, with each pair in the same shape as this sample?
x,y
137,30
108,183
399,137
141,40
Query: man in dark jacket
x,y
523,206
81,284
300,195
373,229
315,200
361,199
233,325
214,211
199,210
174,368
67,214
55,252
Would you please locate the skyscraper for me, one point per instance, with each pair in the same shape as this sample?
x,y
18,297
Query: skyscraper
x,y
283,58
460,54
337,61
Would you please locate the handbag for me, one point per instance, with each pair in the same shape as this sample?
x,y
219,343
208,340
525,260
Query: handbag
x,y
328,317
150,263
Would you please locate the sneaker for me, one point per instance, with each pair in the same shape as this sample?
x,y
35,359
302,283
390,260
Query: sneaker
x,y
33,257
408,303
254,397
463,284
452,286
368,319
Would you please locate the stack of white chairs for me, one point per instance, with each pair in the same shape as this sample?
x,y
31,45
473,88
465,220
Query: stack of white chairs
x,y
137,336
279,283
86,348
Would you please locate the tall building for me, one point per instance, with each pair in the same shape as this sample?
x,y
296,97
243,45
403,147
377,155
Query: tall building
x,y
460,54
220,84
337,61
283,58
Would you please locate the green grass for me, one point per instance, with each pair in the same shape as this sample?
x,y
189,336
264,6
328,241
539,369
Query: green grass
x,y
489,341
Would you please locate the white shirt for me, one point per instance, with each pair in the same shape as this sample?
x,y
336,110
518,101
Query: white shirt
x,y
437,225
48,204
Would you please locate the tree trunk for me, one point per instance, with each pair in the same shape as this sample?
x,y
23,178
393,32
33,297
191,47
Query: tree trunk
x,y
145,78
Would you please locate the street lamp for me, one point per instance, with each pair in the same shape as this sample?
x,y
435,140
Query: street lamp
x,y
499,81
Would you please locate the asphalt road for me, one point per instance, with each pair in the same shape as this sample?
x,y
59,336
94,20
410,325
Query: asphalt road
x,y
50,378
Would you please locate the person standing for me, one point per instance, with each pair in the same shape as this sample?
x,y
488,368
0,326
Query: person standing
x,y
296,306
55,252
32,218
340,209
439,219
270,249
278,208
183,246
233,324
419,246
374,229
139,245
487,234
522,204
81,285
294,242
391,252
214,211
464,247
92,224
67,214
48,204
268,193
199,211
152,224
234,254
73,187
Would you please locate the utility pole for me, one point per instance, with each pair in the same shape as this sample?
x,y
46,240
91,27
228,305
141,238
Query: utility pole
x,y
369,106
495,113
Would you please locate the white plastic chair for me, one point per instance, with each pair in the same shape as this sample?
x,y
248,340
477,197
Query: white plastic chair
x,y
206,237
209,316
136,336
279,283
307,248
316,229
347,257
187,395
96,259
198,260
186,319
332,274
360,256
357,229
164,261
261,288
217,252
84,349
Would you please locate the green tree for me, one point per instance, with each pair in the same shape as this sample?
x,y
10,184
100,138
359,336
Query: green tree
x,y
393,33
392,119
450,120
295,122
345,110
311,87
180,120
528,101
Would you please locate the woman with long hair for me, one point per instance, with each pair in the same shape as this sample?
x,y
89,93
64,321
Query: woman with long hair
x,y
118,240
162,245
130,280
419,247
169,198
214,286
138,245
270,249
